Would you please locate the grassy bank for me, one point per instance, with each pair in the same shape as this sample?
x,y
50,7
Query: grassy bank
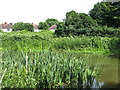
x,y
47,41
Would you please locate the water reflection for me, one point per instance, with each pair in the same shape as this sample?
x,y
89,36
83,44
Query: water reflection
x,y
108,68
97,84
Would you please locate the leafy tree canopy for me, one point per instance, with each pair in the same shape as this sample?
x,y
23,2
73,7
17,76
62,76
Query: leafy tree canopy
x,y
22,26
52,21
76,20
43,25
106,13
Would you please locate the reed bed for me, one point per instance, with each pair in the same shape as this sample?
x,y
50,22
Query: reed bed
x,y
44,70
46,41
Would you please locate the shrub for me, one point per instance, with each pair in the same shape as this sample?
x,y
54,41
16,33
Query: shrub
x,y
46,41
93,31
52,21
78,20
60,26
106,13
43,25
115,45
22,26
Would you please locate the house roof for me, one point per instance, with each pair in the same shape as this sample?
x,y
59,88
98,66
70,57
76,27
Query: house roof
x,y
5,26
53,27
35,26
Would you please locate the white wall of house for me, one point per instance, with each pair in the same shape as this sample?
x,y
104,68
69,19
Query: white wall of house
x,y
52,30
7,30
36,30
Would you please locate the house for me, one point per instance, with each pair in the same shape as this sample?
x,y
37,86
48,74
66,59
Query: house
x,y
53,27
6,27
35,27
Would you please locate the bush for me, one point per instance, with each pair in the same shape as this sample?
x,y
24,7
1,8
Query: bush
x,y
43,25
78,20
106,13
46,41
22,26
115,45
60,26
52,21
93,31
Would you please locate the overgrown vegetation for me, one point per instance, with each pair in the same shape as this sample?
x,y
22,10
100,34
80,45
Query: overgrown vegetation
x,y
43,25
51,21
22,26
115,45
45,70
103,21
76,20
106,13
93,31
47,41
34,59
48,23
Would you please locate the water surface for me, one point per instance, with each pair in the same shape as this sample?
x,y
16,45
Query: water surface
x,y
108,68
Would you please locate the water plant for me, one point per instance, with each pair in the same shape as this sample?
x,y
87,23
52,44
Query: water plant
x,y
46,41
45,70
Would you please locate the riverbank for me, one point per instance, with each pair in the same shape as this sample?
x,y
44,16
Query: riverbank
x,y
47,41
24,52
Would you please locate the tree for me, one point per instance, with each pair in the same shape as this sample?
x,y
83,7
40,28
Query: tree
x,y
106,13
28,27
52,21
71,18
87,21
76,20
43,25
22,26
18,26
60,26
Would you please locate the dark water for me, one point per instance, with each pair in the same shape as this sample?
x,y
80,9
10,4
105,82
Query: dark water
x,y
108,68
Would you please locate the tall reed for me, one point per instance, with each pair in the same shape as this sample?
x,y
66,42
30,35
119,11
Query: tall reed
x,y
45,70
48,42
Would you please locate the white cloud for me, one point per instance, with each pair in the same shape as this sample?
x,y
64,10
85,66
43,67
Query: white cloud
x,y
39,10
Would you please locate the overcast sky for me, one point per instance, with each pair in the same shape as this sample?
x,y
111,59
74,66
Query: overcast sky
x,y
39,10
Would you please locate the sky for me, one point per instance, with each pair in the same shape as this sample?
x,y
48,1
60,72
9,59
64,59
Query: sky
x,y
36,11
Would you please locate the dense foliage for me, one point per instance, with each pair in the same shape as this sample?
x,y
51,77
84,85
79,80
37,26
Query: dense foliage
x,y
52,21
42,59
76,20
43,25
106,13
28,60
115,45
60,26
22,26
93,31
45,70
46,41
